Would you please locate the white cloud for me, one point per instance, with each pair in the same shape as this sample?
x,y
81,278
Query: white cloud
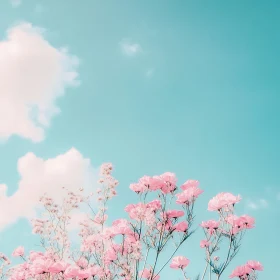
x,y
257,204
150,73
39,176
33,75
16,3
129,48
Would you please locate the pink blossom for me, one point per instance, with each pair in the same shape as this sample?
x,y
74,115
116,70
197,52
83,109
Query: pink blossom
x,y
174,213
241,271
18,252
211,226
255,265
147,273
170,182
138,188
204,243
58,267
188,196
190,184
181,227
222,200
179,262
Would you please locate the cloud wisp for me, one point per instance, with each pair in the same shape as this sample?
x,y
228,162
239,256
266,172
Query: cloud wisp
x,y
257,204
130,48
33,75
16,3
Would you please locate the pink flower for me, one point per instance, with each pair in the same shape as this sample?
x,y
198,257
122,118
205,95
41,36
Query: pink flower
x,y
247,221
58,267
170,182
83,274
18,252
255,265
110,256
94,270
138,188
222,200
181,227
152,183
82,262
174,213
240,223
190,184
121,226
211,226
204,243
154,204
241,271
35,255
71,272
188,196
179,262
147,273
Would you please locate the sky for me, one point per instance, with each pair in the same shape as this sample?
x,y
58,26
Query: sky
x,y
151,86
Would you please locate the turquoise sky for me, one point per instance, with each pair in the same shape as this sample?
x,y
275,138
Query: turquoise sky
x,y
201,98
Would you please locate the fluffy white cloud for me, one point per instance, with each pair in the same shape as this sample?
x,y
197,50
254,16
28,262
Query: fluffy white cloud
x,y
257,204
33,75
39,176
129,48
15,3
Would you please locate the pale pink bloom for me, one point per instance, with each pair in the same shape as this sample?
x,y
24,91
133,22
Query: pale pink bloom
x,y
40,266
35,255
255,265
58,267
82,262
18,252
83,274
179,262
94,270
174,213
100,218
170,182
204,243
154,204
190,184
138,188
121,226
71,272
188,196
240,223
222,200
147,273
181,227
106,168
247,221
211,226
152,183
241,271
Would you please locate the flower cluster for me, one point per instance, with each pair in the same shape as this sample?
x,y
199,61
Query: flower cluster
x,y
131,248
247,271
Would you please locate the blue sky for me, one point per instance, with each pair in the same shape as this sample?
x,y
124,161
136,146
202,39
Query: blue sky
x,y
179,86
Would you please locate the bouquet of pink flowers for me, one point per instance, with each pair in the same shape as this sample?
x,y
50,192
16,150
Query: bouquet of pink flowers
x,y
131,249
